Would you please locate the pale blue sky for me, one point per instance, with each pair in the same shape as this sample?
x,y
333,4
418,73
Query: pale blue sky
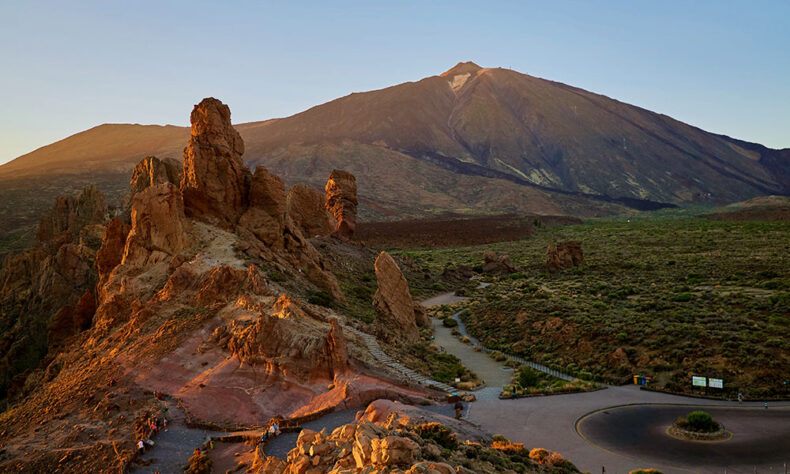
x,y
68,66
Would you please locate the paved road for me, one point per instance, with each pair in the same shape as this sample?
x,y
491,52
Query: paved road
x,y
760,437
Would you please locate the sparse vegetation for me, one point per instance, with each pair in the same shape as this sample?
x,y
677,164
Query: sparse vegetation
x,y
666,297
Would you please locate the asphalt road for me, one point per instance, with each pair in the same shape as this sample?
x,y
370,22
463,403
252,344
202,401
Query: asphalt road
x,y
760,437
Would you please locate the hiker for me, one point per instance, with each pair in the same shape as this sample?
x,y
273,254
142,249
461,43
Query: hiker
x,y
164,423
273,430
196,452
141,446
459,407
740,398
159,395
153,427
276,429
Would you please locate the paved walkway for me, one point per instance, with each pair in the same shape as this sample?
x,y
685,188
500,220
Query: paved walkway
x,y
173,448
495,374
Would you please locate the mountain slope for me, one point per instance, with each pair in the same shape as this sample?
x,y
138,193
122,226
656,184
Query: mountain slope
x,y
472,141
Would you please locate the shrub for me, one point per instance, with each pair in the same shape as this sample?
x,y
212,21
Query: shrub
x,y
700,421
682,297
199,464
539,455
449,322
438,433
527,377
277,276
321,298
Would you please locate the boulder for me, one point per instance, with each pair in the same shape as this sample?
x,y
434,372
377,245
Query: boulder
x,y
307,207
393,451
564,255
393,303
159,227
341,202
215,181
493,263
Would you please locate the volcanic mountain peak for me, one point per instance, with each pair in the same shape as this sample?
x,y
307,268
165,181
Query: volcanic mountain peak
x,y
467,67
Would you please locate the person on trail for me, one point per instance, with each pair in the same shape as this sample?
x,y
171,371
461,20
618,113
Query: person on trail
x,y
273,430
141,446
153,427
164,423
276,429
459,407
740,398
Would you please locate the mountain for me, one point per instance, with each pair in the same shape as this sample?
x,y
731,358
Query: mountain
x,y
469,141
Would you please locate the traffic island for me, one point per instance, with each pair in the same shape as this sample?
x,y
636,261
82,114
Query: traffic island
x,y
698,426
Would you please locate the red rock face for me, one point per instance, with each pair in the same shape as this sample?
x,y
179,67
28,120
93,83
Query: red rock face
x,y
159,228
564,255
341,201
265,217
307,207
215,181
110,253
152,171
393,303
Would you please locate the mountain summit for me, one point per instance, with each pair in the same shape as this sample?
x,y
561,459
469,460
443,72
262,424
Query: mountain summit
x,y
461,68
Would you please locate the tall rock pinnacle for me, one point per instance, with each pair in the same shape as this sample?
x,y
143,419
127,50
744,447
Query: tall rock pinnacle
x,y
215,181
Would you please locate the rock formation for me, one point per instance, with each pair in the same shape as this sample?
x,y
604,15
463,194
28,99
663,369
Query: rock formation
x,y
46,291
152,171
564,255
159,227
393,303
307,207
265,217
341,201
414,442
215,181
494,263
72,214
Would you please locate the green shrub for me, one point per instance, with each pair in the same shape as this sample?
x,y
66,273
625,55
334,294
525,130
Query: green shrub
x,y
321,298
438,433
449,322
699,421
277,276
682,297
527,377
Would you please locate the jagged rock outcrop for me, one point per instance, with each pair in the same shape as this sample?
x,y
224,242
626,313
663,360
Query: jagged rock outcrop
x,y
72,214
393,303
110,254
46,291
493,263
215,180
151,171
265,217
159,227
564,255
341,201
287,343
307,207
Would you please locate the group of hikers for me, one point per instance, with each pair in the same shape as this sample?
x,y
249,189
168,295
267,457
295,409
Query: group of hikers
x,y
271,432
153,425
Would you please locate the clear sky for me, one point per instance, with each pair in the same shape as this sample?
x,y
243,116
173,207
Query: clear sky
x,y
68,66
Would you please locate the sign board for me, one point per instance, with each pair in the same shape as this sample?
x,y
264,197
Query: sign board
x,y
699,381
715,383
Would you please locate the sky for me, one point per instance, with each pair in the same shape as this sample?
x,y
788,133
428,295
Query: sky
x,y
69,66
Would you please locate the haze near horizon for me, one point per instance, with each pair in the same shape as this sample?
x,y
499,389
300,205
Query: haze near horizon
x,y
718,67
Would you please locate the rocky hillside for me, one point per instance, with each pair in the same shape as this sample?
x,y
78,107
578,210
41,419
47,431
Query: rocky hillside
x,y
200,286
472,141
